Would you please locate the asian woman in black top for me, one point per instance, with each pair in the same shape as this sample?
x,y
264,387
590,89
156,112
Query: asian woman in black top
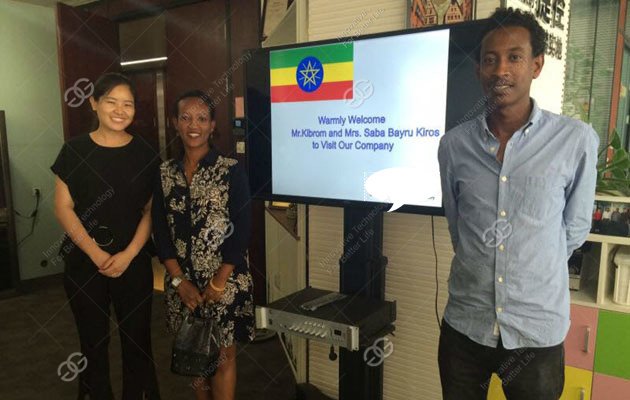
x,y
103,201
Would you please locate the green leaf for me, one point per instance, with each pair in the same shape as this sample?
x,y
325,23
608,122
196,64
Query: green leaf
x,y
621,164
615,180
615,142
618,174
622,186
619,155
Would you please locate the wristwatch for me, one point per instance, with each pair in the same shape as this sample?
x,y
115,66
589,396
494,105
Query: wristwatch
x,y
177,280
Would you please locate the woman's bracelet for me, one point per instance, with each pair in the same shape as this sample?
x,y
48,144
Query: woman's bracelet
x,y
216,289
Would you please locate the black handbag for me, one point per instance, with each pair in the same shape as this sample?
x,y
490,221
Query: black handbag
x,y
196,345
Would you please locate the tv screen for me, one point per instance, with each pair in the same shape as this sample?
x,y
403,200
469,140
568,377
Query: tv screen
x,y
349,122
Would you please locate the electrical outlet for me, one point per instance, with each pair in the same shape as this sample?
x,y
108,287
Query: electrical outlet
x,y
36,192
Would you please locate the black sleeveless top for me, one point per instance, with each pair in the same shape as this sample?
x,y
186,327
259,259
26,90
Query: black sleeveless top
x,y
109,187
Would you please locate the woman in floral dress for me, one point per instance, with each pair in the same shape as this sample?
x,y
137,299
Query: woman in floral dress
x,y
201,217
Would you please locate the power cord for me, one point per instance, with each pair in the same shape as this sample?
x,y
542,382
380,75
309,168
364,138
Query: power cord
x,y
32,216
437,282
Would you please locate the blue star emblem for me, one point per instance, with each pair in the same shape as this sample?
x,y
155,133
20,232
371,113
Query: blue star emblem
x,y
310,74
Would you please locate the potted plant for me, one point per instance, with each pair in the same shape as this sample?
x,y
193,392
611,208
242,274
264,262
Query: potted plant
x,y
613,175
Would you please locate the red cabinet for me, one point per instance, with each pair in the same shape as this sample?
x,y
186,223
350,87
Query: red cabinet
x,y
610,388
579,346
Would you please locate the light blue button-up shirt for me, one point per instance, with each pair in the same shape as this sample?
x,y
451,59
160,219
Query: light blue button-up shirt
x,y
514,224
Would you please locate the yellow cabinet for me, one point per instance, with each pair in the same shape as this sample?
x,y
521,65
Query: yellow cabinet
x,y
495,392
577,385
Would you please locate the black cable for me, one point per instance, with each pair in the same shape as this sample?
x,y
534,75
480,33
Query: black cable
x,y
437,282
34,212
19,214
33,217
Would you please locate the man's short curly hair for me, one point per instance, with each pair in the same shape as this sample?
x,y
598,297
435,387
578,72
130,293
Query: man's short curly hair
x,y
504,17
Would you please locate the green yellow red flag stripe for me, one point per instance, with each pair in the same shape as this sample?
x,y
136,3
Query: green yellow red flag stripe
x,y
327,91
336,72
336,79
328,53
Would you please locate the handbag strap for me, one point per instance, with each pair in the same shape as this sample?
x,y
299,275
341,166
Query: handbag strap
x,y
202,311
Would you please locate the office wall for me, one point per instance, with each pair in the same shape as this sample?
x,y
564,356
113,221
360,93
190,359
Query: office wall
x,y
29,93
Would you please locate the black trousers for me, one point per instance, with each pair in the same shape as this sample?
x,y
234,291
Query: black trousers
x,y
526,373
90,295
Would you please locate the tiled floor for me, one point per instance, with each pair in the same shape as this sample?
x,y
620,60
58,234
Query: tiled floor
x,y
37,334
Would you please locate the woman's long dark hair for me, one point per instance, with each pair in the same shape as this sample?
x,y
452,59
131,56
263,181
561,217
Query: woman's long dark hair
x,y
106,82
199,94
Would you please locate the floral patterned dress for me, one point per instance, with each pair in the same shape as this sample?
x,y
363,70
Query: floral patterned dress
x,y
203,225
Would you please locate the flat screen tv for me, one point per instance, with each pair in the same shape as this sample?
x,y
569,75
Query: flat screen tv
x,y
358,121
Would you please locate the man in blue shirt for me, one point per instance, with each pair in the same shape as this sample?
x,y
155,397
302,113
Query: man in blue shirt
x,y
518,186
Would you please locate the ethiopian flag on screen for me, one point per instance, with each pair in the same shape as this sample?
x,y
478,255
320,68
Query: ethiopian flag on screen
x,y
313,73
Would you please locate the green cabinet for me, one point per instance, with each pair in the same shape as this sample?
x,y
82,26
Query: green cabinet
x,y
612,353
612,357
